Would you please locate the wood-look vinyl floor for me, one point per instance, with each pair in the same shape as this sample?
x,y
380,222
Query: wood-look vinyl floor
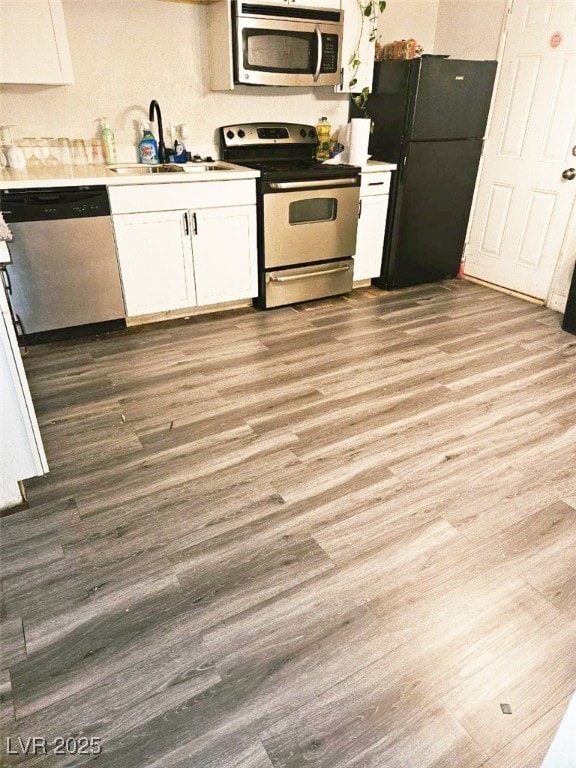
x,y
339,535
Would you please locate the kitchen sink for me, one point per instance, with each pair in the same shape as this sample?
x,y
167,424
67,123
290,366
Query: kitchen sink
x,y
199,167
136,169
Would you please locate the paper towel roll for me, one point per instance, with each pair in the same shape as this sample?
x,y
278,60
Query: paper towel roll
x,y
359,137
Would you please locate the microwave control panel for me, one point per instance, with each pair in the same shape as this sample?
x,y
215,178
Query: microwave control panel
x,y
329,53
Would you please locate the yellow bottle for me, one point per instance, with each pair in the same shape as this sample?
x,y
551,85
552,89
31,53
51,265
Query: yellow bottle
x,y
323,131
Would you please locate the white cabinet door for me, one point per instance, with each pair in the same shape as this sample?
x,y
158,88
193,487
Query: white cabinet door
x,y
356,34
33,43
224,248
155,261
21,450
370,237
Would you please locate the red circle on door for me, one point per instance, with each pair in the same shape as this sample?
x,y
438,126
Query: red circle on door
x,y
556,39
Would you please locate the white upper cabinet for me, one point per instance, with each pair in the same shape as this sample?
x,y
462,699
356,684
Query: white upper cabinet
x,y
356,40
33,43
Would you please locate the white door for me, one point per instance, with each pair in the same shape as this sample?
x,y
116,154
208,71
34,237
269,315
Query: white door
x,y
523,201
224,247
155,261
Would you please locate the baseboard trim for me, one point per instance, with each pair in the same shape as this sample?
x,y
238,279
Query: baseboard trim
x,y
507,291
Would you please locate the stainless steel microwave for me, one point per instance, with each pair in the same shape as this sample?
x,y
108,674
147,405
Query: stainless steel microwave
x,y
282,44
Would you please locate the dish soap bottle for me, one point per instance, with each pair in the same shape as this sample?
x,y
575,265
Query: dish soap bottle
x,y
148,146
108,143
323,132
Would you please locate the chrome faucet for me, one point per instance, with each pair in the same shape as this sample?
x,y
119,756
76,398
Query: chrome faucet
x,y
161,146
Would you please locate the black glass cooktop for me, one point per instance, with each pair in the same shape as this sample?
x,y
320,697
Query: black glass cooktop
x,y
289,169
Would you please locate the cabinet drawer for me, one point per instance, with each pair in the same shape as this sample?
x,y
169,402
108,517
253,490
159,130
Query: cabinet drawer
x,y
141,198
375,183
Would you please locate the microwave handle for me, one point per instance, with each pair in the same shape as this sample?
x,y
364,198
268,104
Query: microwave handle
x,y
318,52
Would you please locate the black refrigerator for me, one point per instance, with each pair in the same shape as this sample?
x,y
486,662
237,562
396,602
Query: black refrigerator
x,y
569,319
429,116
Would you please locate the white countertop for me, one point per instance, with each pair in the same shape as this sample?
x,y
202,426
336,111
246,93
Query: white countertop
x,y
74,175
372,166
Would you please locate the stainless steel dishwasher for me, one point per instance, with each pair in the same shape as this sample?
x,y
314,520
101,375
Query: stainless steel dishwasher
x,y
63,271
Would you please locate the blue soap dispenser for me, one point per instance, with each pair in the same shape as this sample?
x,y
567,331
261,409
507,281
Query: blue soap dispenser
x,y
148,146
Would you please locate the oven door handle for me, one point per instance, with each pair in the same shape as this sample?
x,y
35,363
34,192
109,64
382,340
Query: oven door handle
x,y
318,53
350,182
305,275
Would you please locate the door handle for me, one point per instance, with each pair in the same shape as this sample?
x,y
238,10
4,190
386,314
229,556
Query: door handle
x,y
346,182
186,223
17,320
307,275
6,280
569,174
360,209
318,54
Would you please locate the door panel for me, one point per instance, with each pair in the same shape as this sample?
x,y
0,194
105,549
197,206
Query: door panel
x,y
497,219
535,230
562,116
537,15
523,203
524,83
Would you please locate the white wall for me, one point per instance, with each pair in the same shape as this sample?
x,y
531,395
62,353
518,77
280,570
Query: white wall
x,y
403,19
127,52
469,29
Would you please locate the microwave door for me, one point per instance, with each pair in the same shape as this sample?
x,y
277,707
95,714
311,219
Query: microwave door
x,y
286,53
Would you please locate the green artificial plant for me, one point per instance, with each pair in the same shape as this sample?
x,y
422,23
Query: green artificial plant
x,y
369,13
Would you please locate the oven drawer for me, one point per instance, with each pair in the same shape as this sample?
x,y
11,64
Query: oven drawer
x,y
308,225
314,281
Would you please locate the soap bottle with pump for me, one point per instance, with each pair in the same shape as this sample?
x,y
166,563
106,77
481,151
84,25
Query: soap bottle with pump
x,y
108,143
148,146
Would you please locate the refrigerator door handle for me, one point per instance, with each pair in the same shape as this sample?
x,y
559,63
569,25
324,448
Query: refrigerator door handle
x,y
403,169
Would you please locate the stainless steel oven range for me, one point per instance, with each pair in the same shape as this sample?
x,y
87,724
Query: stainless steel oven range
x,y
307,212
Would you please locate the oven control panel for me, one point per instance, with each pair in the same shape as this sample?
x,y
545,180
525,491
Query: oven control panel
x,y
260,134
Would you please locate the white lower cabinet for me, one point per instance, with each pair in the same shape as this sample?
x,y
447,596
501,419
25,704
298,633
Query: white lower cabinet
x,y
155,258
371,225
223,247
190,256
